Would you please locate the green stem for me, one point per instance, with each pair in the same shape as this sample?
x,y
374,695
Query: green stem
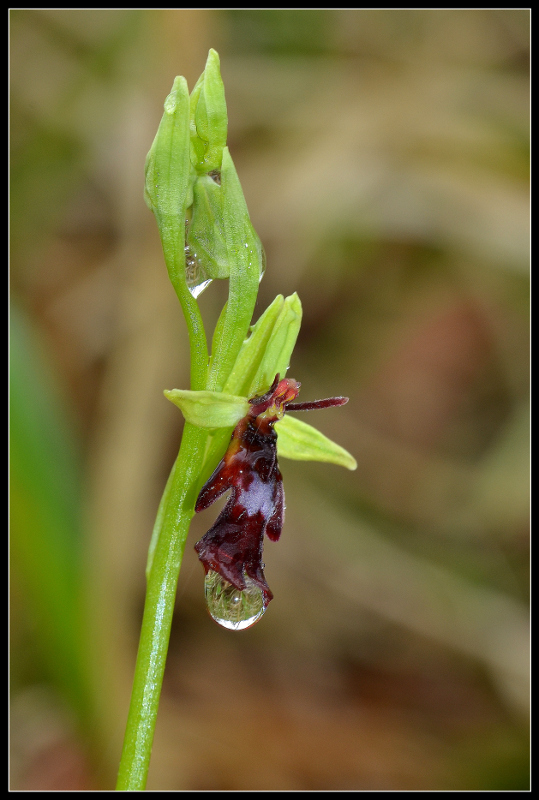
x,y
158,610
198,345
173,249
166,552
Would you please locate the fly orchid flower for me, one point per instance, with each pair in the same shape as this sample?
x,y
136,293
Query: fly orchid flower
x,y
231,551
193,188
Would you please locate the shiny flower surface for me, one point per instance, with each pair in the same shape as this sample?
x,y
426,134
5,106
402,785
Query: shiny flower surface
x,y
233,546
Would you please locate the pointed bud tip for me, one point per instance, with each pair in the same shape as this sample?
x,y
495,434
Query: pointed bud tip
x,y
293,303
213,55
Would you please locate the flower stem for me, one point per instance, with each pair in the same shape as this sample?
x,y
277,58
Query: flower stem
x,y
159,606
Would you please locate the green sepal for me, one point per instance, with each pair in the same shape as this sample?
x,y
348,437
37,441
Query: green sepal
x,y
208,118
208,409
299,441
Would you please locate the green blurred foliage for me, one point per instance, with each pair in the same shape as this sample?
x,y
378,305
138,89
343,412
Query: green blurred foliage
x,y
384,157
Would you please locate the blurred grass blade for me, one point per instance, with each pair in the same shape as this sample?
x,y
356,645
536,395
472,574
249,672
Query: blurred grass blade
x,y
45,519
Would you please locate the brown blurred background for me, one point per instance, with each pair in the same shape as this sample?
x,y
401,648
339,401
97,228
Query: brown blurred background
x,y
384,159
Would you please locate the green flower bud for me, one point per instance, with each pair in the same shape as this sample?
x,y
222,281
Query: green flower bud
x,y
208,118
246,263
242,379
168,188
205,234
245,251
278,352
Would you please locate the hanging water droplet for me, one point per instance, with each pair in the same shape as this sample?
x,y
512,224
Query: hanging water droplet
x,y
195,274
262,262
233,608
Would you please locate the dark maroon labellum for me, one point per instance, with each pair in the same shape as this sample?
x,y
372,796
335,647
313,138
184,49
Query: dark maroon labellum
x,y
233,545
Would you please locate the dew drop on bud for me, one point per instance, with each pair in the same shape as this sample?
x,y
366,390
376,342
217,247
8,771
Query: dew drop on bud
x,y
195,274
230,607
262,264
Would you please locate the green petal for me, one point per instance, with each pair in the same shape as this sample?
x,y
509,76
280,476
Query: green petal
x,y
208,409
302,442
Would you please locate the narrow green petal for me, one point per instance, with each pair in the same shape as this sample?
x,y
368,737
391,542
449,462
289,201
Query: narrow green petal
x,y
302,442
208,409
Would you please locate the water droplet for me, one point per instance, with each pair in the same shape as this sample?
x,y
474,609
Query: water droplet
x,y
170,102
195,274
230,607
199,288
263,263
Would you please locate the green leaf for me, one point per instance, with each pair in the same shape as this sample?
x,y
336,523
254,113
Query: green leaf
x,y
208,409
46,528
302,442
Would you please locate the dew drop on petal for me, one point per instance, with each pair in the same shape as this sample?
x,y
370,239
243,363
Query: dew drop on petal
x,y
230,607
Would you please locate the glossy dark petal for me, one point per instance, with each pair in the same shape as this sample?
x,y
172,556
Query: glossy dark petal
x,y
275,522
233,548
233,545
249,470
213,488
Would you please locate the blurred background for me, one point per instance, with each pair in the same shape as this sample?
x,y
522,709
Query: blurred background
x,y
384,159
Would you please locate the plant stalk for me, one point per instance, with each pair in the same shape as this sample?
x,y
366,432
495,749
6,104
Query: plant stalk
x,y
158,610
